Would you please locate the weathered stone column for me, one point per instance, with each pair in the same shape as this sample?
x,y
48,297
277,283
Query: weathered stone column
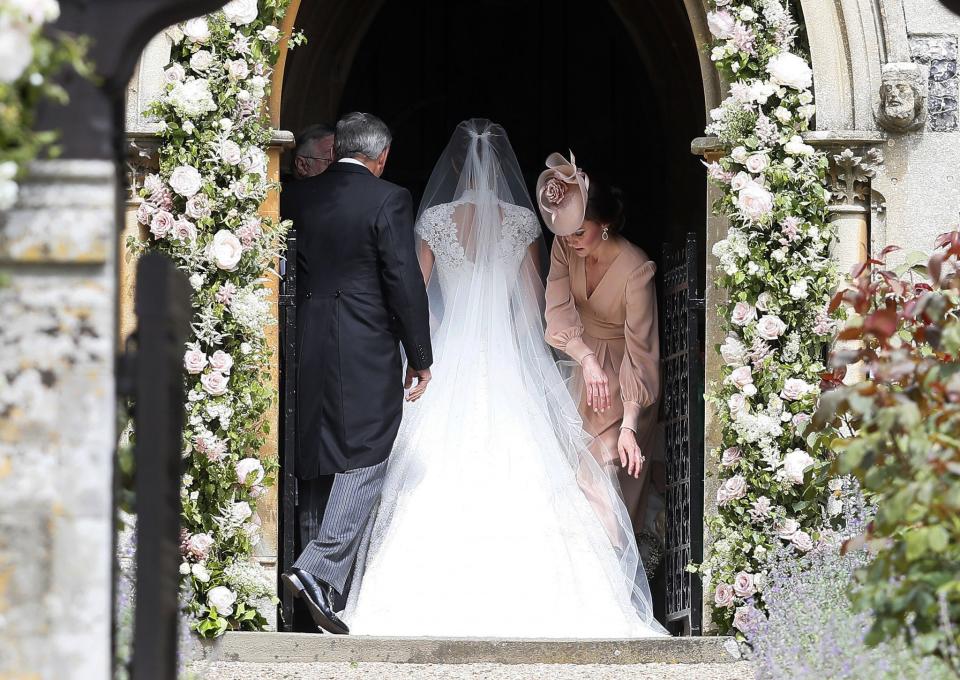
x,y
57,422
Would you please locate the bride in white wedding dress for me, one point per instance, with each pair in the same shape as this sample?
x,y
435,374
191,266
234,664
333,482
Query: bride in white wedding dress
x,y
495,519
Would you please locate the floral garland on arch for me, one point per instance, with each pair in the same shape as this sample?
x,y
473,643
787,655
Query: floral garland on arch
x,y
202,210
776,269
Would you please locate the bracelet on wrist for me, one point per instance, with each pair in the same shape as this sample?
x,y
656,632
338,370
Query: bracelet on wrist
x,y
627,427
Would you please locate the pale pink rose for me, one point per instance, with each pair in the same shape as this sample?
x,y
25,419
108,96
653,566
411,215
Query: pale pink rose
x,y
247,467
760,507
221,361
731,456
230,152
794,388
737,403
226,250
747,619
198,206
145,213
801,541
249,233
740,181
184,230
554,191
755,202
787,528
721,24
801,419
741,377
743,314
743,585
237,69
194,361
214,383
732,489
198,546
175,73
201,60
795,465
770,327
733,351
763,301
757,163
723,595
185,180
161,224
791,227
225,293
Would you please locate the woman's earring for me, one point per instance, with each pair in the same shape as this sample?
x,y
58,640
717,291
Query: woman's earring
x,y
606,233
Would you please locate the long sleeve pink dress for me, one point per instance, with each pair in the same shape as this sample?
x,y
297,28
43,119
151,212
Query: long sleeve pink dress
x,y
618,323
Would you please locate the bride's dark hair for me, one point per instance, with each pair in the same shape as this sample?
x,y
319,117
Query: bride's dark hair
x,y
605,204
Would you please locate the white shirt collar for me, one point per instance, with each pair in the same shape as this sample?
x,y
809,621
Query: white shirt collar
x,y
351,160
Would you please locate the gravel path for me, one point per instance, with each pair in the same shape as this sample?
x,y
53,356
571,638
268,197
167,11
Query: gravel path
x,y
391,671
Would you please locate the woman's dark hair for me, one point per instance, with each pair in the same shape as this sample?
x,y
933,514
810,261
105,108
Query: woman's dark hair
x,y
605,205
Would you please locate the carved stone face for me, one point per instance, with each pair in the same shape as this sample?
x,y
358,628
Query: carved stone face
x,y
899,101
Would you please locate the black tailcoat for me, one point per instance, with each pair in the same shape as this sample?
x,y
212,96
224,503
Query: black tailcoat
x,y
359,295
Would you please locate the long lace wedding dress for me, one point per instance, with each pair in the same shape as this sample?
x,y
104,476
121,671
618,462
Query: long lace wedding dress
x,y
495,519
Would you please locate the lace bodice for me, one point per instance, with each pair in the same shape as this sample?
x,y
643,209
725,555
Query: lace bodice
x,y
519,228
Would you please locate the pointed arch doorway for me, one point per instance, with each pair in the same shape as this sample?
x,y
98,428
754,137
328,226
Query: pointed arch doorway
x,y
618,82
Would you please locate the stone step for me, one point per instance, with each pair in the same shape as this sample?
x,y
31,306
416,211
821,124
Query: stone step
x,y
275,648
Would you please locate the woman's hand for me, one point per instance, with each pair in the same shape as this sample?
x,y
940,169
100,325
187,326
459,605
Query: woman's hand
x,y
596,384
630,456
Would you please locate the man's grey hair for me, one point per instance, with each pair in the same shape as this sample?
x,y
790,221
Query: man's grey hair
x,y
361,134
311,134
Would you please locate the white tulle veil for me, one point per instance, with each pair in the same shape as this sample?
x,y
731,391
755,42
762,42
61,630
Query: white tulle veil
x,y
495,303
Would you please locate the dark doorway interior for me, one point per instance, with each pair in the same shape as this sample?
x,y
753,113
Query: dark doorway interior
x,y
616,81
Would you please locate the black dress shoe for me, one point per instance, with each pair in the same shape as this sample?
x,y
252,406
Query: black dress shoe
x,y
318,597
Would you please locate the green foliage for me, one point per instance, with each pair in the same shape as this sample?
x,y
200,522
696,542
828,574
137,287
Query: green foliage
x,y
906,446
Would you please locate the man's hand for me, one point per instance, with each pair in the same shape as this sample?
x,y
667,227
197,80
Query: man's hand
x,y
416,389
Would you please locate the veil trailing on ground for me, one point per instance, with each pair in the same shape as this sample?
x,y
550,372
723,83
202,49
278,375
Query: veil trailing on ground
x,y
486,297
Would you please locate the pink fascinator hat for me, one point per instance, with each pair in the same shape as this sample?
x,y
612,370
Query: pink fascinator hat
x,y
562,194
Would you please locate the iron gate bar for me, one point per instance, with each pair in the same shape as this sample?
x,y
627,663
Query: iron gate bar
x,y
288,415
682,418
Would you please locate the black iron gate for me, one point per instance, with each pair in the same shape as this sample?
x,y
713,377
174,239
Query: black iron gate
x,y
288,428
682,416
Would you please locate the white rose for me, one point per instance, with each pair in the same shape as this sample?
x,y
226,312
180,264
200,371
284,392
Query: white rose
x,y
807,111
770,327
747,13
258,86
790,70
757,163
184,568
245,348
247,467
761,91
723,595
200,544
732,489
185,180
197,281
731,456
740,180
201,60
221,361
238,69
739,154
16,51
796,147
200,573
798,290
197,30
805,97
802,541
787,528
241,12
270,33
194,361
794,388
230,152
737,403
795,464
743,314
754,201
783,115
222,598
741,377
192,98
226,250
764,300
175,73
761,507
240,512
721,24
743,585
214,383
733,351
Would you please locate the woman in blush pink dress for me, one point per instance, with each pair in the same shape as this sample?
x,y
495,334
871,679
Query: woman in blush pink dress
x,y
602,312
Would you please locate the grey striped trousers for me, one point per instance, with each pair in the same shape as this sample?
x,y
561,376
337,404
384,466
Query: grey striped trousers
x,y
332,550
